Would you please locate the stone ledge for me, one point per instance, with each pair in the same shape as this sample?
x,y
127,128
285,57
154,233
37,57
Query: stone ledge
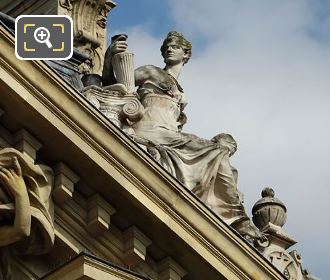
x,y
90,267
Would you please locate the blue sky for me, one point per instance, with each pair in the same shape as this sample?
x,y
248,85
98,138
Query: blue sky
x,y
260,71
154,16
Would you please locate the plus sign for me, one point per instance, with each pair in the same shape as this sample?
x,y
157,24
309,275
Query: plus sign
x,y
41,34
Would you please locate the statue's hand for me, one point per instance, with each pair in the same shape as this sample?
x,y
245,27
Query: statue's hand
x,y
118,46
225,141
12,179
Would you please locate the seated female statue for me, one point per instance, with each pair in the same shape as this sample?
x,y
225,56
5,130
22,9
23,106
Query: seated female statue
x,y
201,165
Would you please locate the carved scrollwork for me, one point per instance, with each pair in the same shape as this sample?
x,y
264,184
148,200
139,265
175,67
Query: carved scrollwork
x,y
284,262
89,27
262,243
66,4
103,12
117,106
133,110
296,256
93,100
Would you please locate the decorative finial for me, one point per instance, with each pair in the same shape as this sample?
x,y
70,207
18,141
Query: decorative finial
x,y
268,192
268,209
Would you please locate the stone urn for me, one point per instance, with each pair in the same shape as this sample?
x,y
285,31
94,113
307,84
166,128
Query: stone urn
x,y
268,209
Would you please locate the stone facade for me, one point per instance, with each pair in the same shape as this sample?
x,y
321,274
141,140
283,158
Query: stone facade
x,y
117,213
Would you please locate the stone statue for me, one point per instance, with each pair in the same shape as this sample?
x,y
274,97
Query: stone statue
x,y
13,184
201,165
26,210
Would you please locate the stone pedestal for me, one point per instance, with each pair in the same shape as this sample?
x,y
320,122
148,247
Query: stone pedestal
x,y
269,215
117,105
275,250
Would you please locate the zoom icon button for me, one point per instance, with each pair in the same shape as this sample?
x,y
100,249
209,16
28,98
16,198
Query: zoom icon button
x,y
39,35
43,37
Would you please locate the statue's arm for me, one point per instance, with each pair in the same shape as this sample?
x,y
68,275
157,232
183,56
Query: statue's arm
x,y
183,117
12,180
108,76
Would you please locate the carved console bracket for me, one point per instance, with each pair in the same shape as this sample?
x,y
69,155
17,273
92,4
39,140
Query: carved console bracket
x,y
99,212
26,143
136,244
170,270
64,182
117,106
89,27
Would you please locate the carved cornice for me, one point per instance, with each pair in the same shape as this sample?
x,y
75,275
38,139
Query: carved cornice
x,y
85,266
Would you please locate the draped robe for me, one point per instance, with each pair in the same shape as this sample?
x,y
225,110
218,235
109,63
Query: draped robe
x,y
201,165
37,179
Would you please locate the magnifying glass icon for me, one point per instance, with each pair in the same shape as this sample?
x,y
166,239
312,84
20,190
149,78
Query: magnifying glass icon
x,y
41,35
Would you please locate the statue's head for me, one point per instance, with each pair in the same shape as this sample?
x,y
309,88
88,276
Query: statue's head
x,y
176,39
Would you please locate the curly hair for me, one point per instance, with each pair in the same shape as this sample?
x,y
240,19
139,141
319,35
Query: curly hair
x,y
183,42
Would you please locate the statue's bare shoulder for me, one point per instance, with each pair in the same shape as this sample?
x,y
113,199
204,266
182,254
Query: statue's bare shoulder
x,y
148,73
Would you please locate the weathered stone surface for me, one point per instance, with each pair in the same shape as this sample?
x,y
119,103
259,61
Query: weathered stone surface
x,y
123,66
98,215
110,164
26,210
65,179
89,22
201,165
136,244
170,270
116,104
26,143
269,215
269,209
89,267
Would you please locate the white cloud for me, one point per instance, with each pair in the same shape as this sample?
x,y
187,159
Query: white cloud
x,y
263,76
145,47
265,79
